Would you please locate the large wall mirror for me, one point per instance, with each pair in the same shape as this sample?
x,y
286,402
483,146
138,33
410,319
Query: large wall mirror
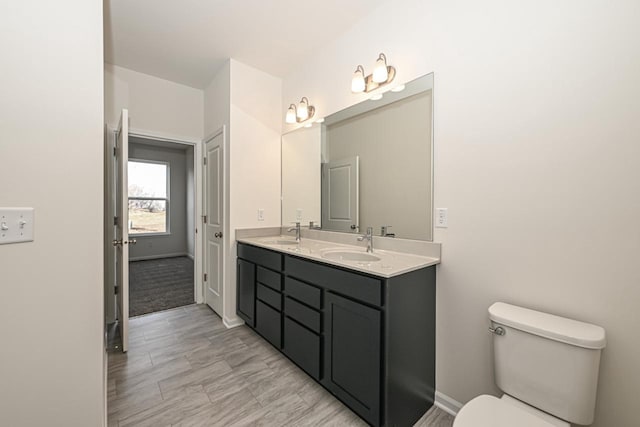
x,y
369,165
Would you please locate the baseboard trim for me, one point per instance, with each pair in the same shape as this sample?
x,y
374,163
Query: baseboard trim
x,y
232,323
148,257
447,404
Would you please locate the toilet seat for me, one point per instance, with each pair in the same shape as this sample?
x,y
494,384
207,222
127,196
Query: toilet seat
x,y
489,411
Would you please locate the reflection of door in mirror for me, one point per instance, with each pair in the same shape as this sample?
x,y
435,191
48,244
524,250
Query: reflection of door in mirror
x,y
340,198
301,182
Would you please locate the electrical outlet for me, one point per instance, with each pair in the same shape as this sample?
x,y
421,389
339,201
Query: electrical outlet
x,y
260,214
299,214
442,220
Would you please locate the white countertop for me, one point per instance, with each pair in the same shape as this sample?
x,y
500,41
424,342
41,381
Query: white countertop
x,y
390,264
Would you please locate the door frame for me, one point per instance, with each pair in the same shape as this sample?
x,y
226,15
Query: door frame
x,y
198,291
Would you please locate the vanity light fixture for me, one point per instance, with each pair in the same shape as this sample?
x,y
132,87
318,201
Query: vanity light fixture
x,y
382,74
302,112
398,88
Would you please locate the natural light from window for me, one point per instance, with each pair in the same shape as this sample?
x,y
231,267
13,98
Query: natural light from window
x,y
148,198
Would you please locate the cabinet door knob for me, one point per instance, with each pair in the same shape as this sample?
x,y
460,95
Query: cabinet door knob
x,y
218,234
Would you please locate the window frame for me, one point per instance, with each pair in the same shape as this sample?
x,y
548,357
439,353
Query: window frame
x,y
165,199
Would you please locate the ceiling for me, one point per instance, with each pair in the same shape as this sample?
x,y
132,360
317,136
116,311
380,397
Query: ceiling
x,y
187,41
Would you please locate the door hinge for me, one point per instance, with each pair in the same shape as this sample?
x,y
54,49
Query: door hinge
x,y
115,221
115,151
205,161
196,231
205,277
115,290
204,219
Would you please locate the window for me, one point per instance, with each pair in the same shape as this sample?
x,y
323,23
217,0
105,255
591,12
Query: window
x,y
148,197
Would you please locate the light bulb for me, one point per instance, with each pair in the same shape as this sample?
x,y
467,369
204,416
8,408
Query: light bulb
x,y
291,114
357,82
303,110
380,73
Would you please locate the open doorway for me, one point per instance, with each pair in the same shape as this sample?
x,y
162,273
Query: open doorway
x,y
161,220
152,248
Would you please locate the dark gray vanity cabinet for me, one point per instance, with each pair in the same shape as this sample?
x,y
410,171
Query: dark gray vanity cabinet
x,y
259,297
352,354
246,295
369,340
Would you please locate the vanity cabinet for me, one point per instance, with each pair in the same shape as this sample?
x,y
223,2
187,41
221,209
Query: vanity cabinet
x,y
368,340
246,294
259,297
352,354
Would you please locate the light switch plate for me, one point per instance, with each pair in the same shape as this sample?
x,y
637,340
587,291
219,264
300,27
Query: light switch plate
x,y
298,214
16,225
442,220
260,214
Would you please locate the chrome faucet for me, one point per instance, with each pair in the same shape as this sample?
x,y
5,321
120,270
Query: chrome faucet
x,y
297,230
369,238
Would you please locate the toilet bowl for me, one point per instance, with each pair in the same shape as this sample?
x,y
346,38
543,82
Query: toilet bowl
x,y
546,365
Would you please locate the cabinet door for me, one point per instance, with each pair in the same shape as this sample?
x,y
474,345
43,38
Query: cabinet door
x,y
246,292
352,355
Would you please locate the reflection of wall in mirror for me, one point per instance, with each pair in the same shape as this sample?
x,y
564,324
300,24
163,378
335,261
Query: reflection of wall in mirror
x,y
394,146
301,176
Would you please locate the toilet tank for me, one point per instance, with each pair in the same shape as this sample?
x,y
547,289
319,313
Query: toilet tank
x,y
547,361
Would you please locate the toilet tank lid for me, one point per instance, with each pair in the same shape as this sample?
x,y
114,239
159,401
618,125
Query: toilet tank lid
x,y
546,325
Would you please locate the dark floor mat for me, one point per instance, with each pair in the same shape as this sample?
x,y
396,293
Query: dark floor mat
x,y
159,284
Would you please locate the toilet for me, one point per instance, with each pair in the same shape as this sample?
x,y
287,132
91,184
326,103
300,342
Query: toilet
x,y
546,365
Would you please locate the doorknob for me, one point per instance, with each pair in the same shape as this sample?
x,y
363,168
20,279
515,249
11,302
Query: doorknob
x,y
353,226
117,243
218,234
131,242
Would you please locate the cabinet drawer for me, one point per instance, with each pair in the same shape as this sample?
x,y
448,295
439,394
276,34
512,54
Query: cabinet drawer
x,y
270,259
270,278
308,294
303,347
363,288
268,323
268,295
303,314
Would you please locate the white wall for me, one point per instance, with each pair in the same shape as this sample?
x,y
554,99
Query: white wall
x,y
51,116
175,242
217,103
301,175
536,157
254,159
155,105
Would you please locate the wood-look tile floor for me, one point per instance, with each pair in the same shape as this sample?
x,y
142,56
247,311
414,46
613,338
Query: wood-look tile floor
x,y
184,368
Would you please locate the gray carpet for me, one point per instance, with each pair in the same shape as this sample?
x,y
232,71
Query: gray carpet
x,y
159,284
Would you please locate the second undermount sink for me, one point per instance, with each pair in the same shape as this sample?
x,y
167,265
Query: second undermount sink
x,y
350,256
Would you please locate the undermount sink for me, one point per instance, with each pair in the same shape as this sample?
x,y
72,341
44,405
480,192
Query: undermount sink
x,y
280,242
350,256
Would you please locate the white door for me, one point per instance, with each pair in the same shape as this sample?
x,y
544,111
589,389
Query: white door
x,y
340,198
121,242
213,221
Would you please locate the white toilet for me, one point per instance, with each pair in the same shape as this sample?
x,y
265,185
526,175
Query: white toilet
x,y
547,367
